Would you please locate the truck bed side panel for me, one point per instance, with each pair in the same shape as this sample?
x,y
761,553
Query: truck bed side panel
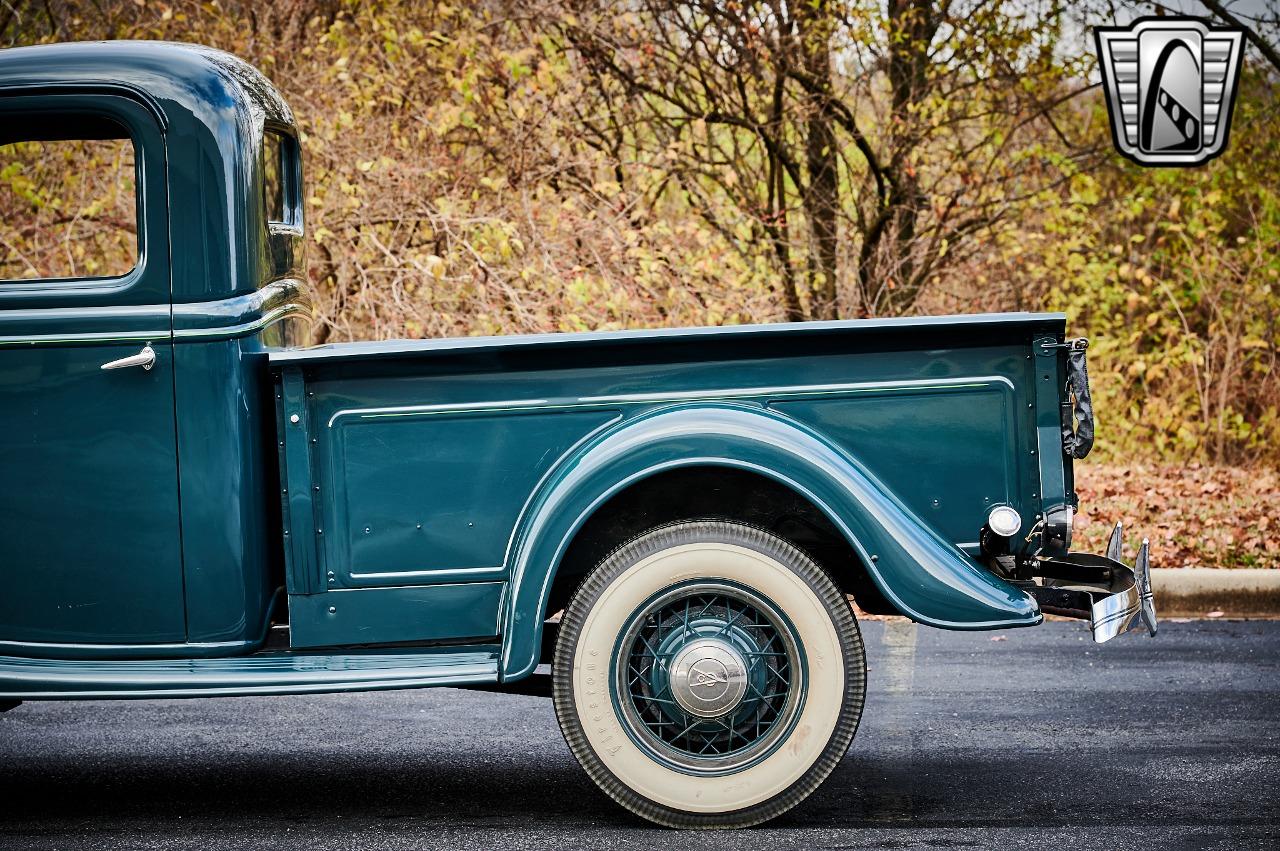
x,y
426,461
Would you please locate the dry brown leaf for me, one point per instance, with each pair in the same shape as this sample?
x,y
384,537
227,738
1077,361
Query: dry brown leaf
x,y
1194,515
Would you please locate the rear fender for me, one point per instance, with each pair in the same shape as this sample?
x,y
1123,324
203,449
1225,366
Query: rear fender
x,y
926,577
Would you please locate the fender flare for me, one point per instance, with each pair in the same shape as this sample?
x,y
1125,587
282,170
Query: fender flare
x,y
925,576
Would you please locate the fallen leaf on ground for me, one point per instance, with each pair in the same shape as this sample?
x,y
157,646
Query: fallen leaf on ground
x,y
1195,515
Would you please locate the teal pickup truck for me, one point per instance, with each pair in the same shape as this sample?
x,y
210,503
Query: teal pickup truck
x,y
661,530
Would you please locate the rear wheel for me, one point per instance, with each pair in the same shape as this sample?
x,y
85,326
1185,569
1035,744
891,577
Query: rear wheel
x,y
708,674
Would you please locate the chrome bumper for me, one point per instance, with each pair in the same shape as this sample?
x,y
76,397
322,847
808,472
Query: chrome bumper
x,y
1103,590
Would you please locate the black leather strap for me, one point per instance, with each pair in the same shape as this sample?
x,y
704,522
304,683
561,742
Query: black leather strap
x,y
1077,417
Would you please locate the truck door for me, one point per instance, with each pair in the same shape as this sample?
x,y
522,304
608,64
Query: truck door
x,y
89,535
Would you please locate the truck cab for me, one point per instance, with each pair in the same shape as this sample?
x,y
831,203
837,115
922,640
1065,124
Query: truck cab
x,y
667,524
100,453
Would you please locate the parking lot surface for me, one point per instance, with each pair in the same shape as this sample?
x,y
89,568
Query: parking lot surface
x,y
1027,738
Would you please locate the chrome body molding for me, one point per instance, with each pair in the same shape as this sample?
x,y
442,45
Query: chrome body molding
x,y
225,319
47,326
243,329
462,572
83,339
242,315
770,394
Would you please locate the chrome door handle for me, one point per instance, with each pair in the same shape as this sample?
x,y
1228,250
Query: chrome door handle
x,y
145,359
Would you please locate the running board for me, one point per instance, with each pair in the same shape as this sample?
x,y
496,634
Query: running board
x,y
267,672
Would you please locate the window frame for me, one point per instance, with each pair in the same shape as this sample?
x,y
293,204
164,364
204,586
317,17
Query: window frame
x,y
290,168
135,255
148,281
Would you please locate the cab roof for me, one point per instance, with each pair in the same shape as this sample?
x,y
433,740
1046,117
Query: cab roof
x,y
174,79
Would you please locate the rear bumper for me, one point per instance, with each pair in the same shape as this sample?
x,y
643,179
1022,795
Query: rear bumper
x,y
1103,590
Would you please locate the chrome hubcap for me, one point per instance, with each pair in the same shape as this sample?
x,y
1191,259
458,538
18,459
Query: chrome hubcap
x,y
708,678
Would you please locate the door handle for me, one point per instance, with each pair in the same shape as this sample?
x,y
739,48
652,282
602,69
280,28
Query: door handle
x,y
145,359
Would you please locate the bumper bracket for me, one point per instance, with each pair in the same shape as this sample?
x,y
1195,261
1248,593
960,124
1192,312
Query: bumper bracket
x,y
1103,590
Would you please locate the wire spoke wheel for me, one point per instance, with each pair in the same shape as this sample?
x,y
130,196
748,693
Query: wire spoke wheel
x,y
709,676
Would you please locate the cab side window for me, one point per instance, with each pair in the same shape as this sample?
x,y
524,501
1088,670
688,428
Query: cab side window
x,y
280,179
282,207
273,176
68,199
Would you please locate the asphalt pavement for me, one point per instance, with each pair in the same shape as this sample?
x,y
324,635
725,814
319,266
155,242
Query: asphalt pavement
x,y
1028,738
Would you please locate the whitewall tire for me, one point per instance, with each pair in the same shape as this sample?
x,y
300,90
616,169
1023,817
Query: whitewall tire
x,y
708,674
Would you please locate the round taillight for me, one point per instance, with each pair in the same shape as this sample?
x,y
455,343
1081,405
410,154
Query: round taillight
x,y
1005,521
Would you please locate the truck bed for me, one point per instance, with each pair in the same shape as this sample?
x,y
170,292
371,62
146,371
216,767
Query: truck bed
x,y
415,471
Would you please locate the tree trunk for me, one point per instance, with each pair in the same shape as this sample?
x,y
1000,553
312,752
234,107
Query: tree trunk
x,y
822,196
913,24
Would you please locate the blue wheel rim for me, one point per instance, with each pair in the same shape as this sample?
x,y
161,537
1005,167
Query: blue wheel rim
x,y
750,629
